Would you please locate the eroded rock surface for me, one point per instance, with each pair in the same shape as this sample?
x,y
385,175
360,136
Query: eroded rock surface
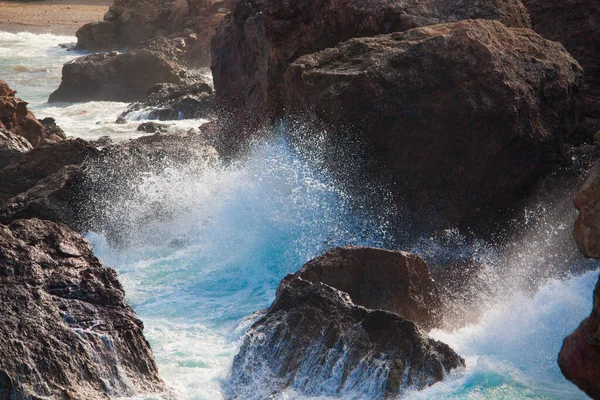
x,y
25,170
315,340
461,118
66,330
115,76
394,281
130,23
258,40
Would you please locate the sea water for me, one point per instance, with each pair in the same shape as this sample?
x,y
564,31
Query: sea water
x,y
197,277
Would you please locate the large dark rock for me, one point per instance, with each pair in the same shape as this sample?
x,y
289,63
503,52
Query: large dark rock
x,y
54,198
258,40
25,170
115,77
315,340
16,118
574,23
579,358
459,118
394,281
66,331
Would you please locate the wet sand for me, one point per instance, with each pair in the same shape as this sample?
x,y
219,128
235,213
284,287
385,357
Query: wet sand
x,y
50,16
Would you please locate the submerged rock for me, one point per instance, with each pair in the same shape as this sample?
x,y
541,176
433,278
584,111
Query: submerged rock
x,y
258,40
460,119
579,358
66,330
394,281
315,340
115,77
16,118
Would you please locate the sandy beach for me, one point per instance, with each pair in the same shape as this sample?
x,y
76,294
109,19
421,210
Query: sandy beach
x,y
50,16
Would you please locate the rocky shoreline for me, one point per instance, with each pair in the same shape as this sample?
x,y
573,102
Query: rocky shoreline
x,y
458,112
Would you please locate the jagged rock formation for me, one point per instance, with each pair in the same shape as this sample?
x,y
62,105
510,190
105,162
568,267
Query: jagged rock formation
x,y
26,169
393,281
460,118
54,198
130,23
115,77
66,330
579,358
16,118
172,102
258,40
315,340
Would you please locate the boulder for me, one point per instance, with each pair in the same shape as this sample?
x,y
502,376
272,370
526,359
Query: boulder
x,y
574,23
579,358
115,76
15,117
394,281
66,330
258,40
459,119
314,340
25,170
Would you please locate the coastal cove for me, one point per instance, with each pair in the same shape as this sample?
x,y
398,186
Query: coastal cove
x,y
258,253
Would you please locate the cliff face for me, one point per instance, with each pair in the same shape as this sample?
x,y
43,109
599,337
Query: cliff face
x,y
130,23
66,330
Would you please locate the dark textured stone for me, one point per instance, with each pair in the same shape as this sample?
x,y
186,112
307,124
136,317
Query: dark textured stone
x,y
460,119
258,40
316,341
66,330
115,77
394,281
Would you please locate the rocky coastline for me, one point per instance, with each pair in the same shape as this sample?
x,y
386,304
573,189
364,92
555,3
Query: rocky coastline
x,y
459,112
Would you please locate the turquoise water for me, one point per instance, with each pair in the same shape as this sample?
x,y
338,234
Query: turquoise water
x,y
196,277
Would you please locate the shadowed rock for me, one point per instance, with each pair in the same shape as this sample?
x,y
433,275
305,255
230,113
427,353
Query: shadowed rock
x,y
574,23
25,170
66,330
